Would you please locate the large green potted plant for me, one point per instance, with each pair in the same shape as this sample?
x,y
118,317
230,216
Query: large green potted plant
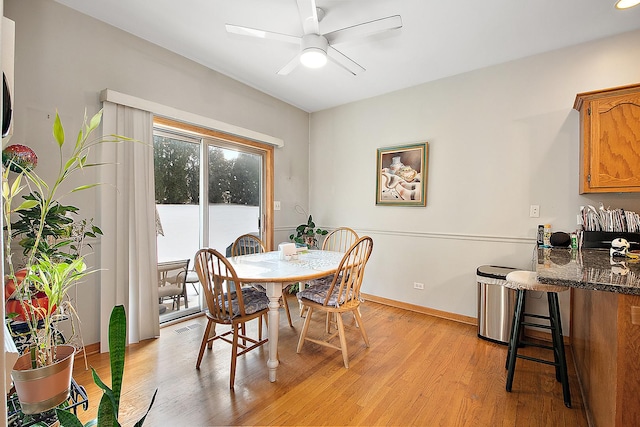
x,y
52,258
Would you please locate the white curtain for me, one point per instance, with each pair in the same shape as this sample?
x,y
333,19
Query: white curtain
x,y
128,255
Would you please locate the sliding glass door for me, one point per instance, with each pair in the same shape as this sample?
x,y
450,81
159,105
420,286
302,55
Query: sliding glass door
x,y
234,193
208,192
177,186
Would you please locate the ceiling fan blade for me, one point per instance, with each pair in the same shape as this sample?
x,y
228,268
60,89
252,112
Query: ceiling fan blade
x,y
365,29
308,16
344,61
290,66
270,35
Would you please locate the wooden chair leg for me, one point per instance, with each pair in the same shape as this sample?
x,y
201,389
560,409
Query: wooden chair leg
x,y
262,319
205,341
302,286
360,325
243,332
286,309
234,355
305,328
343,340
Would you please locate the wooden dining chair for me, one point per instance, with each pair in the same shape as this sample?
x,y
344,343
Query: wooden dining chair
x,y
340,296
225,307
248,244
339,240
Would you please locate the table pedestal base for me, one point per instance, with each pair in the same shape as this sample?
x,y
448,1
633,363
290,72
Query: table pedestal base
x,y
274,292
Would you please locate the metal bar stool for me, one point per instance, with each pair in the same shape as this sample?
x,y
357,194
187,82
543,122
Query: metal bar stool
x,y
523,281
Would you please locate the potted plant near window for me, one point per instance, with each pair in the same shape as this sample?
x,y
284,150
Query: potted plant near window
x,y
306,234
53,263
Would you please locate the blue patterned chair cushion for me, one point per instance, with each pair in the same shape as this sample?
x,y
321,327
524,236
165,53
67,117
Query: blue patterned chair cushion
x,y
262,288
326,280
258,286
254,301
318,293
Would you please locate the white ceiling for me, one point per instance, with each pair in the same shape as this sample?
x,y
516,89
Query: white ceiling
x,y
438,38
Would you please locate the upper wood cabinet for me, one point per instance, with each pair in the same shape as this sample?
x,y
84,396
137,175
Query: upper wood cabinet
x,y
609,140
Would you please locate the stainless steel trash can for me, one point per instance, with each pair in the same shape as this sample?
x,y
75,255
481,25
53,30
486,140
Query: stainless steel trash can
x,y
496,303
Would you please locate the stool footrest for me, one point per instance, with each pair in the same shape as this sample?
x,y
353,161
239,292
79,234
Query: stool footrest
x,y
538,316
534,359
537,325
533,344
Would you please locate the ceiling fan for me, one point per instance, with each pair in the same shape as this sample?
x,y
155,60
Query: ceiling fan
x,y
316,48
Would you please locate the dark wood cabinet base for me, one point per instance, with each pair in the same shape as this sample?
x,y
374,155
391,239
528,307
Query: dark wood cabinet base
x,y
605,340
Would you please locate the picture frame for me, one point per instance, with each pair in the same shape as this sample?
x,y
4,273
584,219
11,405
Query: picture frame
x,y
401,175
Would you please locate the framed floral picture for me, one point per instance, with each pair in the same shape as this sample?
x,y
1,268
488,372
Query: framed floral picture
x,y
402,175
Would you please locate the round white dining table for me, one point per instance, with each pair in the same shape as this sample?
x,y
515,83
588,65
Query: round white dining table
x,y
275,273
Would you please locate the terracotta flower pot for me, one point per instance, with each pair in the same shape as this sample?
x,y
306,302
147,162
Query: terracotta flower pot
x,y
10,286
43,388
15,306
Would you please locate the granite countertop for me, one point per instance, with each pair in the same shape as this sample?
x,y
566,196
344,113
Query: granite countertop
x,y
591,269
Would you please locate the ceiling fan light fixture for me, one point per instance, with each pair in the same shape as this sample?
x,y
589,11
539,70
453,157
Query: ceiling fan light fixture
x,y
314,51
626,4
313,57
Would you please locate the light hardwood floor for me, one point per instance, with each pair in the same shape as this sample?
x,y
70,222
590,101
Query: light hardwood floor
x,y
419,371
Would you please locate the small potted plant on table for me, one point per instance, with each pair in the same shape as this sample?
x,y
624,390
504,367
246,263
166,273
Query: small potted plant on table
x,y
306,234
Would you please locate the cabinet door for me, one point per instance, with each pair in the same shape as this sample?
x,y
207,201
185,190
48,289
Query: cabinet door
x,y
615,143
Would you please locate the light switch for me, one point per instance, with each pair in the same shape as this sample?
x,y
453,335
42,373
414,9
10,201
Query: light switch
x,y
276,205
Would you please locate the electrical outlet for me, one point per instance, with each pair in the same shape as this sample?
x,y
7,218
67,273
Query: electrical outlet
x,y
276,205
534,211
417,285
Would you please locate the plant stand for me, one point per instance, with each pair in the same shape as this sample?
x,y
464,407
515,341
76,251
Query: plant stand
x,y
15,417
77,393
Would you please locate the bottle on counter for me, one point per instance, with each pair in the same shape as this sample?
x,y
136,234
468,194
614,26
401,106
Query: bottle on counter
x,y
574,240
547,236
540,236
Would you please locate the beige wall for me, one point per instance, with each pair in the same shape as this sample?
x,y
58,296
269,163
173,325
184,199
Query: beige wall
x,y
64,59
500,139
